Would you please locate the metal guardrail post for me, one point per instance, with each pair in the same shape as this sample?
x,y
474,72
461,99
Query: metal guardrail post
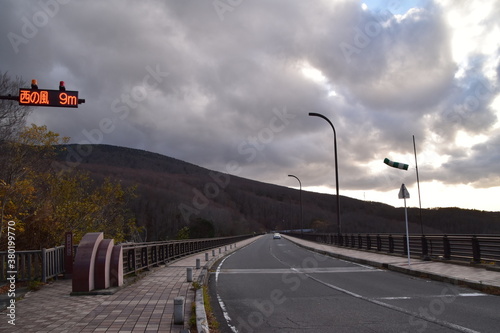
x,y
379,243
44,265
134,260
425,248
391,244
446,247
476,250
360,242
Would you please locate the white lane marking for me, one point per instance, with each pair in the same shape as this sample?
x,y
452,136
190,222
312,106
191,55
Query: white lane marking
x,y
433,296
298,270
396,308
472,294
219,299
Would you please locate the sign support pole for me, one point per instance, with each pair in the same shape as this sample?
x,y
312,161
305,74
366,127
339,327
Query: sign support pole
x,y
403,194
407,234
68,255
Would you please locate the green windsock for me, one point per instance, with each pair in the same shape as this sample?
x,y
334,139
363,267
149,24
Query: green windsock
x,y
395,164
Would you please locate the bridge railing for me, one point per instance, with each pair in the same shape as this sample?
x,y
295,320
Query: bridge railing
x,y
476,249
49,263
143,256
32,265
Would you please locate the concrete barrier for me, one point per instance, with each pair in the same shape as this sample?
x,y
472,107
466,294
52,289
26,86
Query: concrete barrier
x,y
84,266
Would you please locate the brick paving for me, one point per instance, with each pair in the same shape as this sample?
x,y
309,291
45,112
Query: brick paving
x,y
144,306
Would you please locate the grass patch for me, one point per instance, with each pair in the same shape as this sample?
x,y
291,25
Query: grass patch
x,y
192,319
213,324
35,285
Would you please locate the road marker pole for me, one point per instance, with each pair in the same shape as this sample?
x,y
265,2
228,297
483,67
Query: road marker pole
x,y
403,194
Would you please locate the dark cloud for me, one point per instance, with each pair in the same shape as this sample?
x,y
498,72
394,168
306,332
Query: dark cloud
x,y
208,85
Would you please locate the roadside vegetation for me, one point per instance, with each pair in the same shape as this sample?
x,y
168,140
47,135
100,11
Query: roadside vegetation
x,y
43,201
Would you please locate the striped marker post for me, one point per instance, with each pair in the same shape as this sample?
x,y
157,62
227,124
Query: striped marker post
x,y
396,165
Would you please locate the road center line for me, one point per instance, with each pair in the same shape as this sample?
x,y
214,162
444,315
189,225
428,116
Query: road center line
x,y
386,305
396,308
433,296
297,270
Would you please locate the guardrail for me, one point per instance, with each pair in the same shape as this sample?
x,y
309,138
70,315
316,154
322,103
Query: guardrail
x,y
49,263
33,265
143,256
477,249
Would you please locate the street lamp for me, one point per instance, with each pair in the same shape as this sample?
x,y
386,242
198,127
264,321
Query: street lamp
x,y
339,225
300,198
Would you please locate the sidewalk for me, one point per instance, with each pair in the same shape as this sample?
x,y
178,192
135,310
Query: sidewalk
x,y
144,306
477,278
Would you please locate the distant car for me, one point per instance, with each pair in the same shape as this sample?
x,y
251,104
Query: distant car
x,y
276,236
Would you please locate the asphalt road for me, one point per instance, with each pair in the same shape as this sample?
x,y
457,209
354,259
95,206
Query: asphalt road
x,y
276,286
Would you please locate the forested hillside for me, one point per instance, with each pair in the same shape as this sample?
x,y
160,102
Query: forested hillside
x,y
172,195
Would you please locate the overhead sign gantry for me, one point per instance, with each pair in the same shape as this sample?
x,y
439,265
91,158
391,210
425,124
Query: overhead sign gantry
x,y
46,97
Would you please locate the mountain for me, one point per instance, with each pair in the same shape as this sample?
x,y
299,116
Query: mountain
x,y
172,194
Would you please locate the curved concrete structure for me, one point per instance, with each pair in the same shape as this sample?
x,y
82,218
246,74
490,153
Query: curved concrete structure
x,y
83,268
116,269
103,264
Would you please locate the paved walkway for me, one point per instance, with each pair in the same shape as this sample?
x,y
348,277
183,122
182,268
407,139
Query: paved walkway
x,y
473,277
148,304
144,306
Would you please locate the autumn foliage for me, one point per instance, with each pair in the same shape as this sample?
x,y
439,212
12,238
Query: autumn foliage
x,y
45,203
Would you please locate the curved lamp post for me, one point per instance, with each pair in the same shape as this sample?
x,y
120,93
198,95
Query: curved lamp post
x,y
300,198
336,171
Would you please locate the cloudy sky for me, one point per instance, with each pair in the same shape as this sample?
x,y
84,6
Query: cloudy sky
x,y
228,85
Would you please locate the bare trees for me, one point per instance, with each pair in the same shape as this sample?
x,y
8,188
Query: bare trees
x,y
12,115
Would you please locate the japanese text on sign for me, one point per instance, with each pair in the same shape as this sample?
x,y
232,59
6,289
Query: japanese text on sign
x,y
54,98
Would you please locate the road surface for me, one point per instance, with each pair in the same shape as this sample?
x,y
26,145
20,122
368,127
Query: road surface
x,y
273,285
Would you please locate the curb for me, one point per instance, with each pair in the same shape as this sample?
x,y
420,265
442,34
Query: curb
x,y
483,287
201,315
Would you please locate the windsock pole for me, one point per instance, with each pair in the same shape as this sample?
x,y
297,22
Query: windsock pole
x,y
418,186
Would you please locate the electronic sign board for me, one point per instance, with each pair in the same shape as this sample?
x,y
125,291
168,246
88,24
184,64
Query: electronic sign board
x,y
44,97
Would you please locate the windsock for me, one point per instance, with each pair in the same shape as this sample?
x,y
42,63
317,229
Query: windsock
x,y
395,164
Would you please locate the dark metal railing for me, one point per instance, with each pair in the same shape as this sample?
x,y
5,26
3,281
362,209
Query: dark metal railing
x,y
144,256
482,249
49,263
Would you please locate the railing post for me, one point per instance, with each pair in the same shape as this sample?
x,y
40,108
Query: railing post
x,y
44,265
368,242
154,258
476,250
446,248
379,243
134,260
360,242
391,244
425,248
